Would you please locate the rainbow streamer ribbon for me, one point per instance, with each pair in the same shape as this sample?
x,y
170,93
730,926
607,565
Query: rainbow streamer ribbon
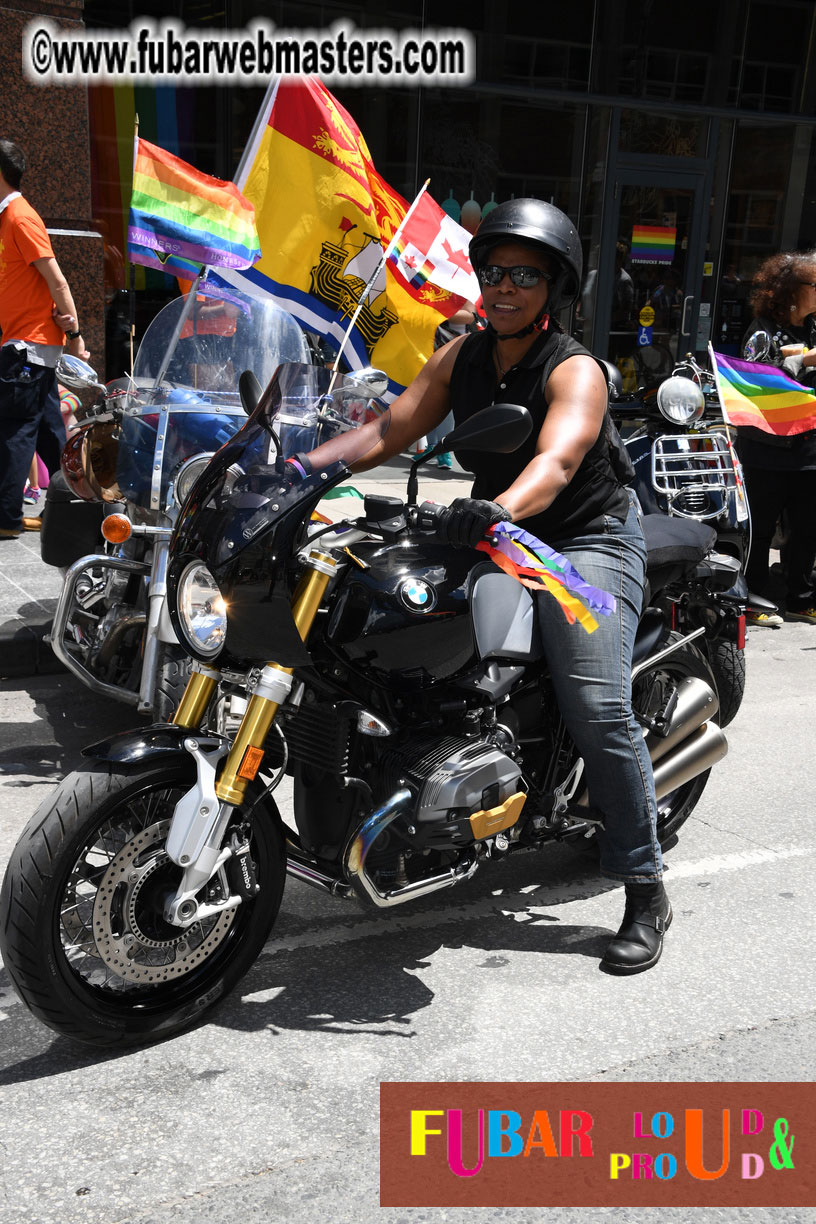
x,y
539,567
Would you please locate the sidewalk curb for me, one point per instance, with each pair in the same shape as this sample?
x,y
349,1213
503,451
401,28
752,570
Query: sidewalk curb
x,y
24,650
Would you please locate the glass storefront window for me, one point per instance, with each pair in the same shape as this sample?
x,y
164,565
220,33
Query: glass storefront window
x,y
765,214
644,131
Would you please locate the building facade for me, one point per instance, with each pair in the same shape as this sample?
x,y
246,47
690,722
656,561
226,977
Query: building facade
x,y
678,138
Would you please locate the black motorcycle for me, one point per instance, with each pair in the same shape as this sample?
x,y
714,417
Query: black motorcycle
x,y
685,467
395,681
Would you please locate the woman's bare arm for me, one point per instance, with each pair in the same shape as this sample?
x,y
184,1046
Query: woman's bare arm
x,y
577,400
422,406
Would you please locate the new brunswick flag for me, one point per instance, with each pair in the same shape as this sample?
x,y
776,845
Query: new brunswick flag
x,y
763,396
325,217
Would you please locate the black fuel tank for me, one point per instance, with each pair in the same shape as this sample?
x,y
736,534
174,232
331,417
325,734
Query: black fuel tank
x,y
407,616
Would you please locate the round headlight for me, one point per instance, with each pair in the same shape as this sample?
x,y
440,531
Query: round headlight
x,y
680,400
202,611
188,474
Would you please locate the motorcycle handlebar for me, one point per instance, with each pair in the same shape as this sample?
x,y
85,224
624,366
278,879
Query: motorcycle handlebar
x,y
427,515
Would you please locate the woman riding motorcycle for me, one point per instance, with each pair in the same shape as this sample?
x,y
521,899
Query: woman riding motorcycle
x,y
562,486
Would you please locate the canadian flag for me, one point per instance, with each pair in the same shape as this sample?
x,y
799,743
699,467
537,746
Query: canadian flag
x,y
433,247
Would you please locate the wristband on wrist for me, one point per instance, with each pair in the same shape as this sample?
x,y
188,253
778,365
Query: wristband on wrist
x,y
74,335
302,464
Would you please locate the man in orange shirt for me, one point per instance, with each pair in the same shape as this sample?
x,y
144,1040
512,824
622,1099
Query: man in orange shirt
x,y
35,305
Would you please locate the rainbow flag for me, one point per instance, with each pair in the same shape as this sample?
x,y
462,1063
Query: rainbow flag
x,y
653,244
531,562
763,396
181,220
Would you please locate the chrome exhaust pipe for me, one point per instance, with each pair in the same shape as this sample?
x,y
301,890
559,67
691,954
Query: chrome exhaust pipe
x,y
697,703
311,875
698,752
692,744
356,852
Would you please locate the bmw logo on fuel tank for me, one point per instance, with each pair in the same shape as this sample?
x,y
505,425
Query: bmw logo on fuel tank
x,y
417,595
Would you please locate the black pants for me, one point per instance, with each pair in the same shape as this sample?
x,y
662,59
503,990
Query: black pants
x,y
30,420
769,493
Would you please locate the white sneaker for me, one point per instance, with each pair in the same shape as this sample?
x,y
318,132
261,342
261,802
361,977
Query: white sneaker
x,y
763,620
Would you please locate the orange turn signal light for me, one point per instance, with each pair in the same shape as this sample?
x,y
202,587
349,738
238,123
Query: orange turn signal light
x,y
251,763
116,528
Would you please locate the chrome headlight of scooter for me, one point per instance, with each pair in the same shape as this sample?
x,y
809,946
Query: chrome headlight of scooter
x,y
190,471
680,400
202,611
188,474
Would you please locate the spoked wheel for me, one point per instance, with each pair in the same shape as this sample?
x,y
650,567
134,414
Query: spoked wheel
x,y
82,930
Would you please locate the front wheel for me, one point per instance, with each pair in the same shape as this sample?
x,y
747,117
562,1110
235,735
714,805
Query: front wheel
x,y
81,927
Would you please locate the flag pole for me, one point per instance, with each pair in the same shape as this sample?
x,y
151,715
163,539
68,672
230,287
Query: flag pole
x,y
742,499
186,311
386,253
250,148
132,272
191,296
240,175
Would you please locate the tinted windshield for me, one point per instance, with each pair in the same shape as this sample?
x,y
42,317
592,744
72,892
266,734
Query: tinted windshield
x,y
247,490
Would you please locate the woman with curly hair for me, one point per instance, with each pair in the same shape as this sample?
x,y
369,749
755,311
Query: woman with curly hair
x,y
780,473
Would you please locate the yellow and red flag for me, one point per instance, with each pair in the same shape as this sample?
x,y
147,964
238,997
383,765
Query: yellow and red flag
x,y
325,217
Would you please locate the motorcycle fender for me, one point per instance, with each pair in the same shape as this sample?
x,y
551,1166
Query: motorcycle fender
x,y
718,572
132,748
136,746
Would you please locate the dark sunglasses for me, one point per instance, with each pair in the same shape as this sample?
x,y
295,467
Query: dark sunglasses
x,y
523,276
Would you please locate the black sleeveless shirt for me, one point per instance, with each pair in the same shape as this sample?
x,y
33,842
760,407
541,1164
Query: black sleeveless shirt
x,y
594,491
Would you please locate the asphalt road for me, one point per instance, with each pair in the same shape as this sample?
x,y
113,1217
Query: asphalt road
x,y
269,1111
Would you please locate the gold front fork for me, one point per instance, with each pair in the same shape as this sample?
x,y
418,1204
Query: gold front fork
x,y
193,705
245,755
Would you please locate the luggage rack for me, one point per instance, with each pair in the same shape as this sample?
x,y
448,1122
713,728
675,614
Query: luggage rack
x,y
694,472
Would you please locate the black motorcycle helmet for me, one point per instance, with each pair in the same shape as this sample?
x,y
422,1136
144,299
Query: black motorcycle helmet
x,y
534,223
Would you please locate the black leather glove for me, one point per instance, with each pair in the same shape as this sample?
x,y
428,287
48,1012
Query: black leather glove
x,y
466,520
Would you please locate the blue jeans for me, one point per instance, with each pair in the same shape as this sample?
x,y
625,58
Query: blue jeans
x,y
30,420
592,676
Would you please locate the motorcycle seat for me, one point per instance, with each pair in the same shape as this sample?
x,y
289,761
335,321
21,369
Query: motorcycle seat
x,y
673,545
673,540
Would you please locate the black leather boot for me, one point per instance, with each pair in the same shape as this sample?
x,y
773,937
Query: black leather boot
x,y
639,942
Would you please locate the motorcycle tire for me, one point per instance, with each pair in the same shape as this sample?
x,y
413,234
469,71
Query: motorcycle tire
x,y
728,665
81,928
172,675
674,809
